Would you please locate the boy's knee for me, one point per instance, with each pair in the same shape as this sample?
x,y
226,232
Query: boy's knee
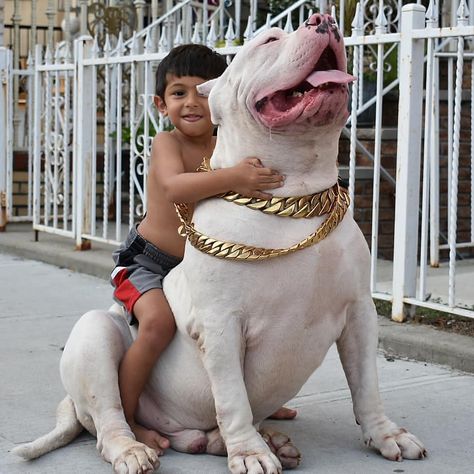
x,y
157,326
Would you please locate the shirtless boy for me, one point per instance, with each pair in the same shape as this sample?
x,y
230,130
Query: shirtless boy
x,y
155,247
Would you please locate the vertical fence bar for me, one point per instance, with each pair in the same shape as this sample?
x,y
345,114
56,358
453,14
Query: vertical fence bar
x,y
408,161
66,145
118,174
107,142
357,30
47,138
450,129
37,138
93,168
11,110
83,145
30,105
55,143
453,204
342,8
5,79
434,178
427,165
147,96
380,29
16,20
113,151
133,149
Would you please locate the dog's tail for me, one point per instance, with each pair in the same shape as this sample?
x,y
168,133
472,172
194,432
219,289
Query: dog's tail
x,y
67,428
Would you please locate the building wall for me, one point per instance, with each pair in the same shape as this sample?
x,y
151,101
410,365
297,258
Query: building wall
x,y
25,12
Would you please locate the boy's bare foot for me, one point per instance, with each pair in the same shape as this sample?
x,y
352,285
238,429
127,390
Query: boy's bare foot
x,y
283,413
151,438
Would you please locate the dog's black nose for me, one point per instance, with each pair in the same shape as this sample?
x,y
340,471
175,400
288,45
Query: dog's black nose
x,y
323,24
315,20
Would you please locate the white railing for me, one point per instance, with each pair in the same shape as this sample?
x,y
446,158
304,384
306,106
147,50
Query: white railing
x,y
94,120
214,24
408,287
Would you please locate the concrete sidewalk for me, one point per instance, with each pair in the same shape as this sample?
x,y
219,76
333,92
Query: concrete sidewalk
x,y
401,340
39,305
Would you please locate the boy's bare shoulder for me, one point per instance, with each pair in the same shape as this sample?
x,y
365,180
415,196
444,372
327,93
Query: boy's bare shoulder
x,y
165,144
165,138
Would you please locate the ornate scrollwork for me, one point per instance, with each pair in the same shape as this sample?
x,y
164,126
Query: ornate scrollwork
x,y
111,20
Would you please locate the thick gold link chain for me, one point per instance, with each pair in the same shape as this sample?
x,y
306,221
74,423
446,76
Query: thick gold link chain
x,y
333,201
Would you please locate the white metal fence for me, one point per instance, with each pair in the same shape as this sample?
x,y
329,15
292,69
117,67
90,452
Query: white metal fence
x,y
94,119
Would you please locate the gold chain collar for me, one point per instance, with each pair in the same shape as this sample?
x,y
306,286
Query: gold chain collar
x,y
298,207
334,201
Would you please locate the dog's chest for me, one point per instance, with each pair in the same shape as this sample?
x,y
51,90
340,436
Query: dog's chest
x,y
228,222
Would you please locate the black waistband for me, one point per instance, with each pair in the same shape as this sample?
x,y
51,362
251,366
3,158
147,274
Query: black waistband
x,y
141,245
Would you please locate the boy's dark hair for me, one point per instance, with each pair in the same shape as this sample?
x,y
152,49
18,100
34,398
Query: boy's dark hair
x,y
189,60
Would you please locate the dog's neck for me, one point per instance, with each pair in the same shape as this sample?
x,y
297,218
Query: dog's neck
x,y
315,169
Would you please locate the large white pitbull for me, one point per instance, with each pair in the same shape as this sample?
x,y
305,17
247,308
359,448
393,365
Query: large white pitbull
x,y
250,332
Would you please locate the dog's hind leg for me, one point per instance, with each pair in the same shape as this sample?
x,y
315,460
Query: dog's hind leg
x,y
89,371
357,348
281,445
189,441
198,442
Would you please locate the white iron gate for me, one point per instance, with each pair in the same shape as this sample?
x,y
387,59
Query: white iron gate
x,y
410,282
94,120
54,177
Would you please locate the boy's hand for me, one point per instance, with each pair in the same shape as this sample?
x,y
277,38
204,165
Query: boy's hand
x,y
251,179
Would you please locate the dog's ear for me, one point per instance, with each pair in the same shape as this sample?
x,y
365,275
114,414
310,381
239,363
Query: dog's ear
x,y
206,87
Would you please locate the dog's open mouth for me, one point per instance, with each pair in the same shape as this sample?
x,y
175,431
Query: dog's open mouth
x,y
287,105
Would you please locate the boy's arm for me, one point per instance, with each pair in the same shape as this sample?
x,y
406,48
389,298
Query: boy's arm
x,y
248,177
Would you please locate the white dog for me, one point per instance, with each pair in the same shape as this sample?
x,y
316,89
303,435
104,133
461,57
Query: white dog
x,y
250,332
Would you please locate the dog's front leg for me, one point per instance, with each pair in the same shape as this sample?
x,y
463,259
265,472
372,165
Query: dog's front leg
x,y
357,348
222,348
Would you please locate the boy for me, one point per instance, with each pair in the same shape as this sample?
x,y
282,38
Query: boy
x,y
154,247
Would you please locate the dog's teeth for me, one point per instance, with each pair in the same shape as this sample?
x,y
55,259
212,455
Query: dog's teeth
x,y
296,94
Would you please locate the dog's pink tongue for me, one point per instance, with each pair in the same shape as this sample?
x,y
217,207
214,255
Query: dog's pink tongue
x,y
317,78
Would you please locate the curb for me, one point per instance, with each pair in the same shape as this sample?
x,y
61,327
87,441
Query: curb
x,y
426,344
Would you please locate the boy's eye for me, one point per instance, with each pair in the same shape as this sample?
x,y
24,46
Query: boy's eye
x,y
178,93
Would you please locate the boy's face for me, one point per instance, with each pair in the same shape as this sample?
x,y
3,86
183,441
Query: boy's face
x,y
187,110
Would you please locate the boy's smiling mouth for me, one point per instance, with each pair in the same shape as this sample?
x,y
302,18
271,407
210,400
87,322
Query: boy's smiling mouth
x,y
192,117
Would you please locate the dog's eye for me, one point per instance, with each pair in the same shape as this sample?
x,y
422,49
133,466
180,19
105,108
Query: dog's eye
x,y
269,40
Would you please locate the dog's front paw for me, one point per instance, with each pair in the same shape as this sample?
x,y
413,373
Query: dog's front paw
x,y
253,457
137,458
395,443
255,463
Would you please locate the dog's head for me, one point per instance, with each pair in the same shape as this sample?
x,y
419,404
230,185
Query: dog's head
x,y
286,82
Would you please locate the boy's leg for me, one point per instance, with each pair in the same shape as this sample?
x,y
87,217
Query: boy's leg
x,y
155,331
